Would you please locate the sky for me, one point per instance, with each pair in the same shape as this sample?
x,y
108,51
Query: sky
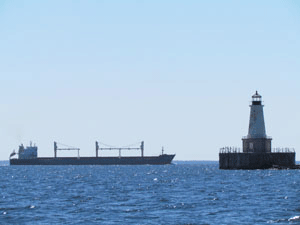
x,y
178,74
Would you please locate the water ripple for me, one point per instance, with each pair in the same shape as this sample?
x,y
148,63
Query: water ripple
x,y
197,193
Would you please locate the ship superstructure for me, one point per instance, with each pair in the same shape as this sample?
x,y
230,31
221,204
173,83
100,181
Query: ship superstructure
x,y
30,152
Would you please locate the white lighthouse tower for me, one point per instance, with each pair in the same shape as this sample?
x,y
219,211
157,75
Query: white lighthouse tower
x,y
256,141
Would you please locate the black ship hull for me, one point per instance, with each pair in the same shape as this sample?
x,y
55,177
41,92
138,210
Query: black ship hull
x,y
147,160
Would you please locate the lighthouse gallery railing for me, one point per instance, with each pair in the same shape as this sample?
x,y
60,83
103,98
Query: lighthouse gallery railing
x,y
238,150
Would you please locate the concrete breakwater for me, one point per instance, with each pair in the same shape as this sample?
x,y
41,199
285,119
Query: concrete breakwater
x,y
243,160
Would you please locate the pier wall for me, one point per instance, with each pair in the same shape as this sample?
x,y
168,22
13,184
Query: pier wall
x,y
256,160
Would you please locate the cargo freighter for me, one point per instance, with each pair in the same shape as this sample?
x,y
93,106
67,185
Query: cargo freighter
x,y
28,156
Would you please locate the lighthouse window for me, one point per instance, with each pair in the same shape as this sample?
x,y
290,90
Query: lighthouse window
x,y
251,145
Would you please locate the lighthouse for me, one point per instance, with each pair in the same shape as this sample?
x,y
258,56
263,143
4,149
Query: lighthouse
x,y
256,141
256,152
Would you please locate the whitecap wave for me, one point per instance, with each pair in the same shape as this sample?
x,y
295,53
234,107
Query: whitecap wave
x,y
295,218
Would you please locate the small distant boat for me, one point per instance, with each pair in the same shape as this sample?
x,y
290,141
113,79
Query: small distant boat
x,y
28,156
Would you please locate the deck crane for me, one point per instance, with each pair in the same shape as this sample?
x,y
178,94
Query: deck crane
x,y
63,149
120,149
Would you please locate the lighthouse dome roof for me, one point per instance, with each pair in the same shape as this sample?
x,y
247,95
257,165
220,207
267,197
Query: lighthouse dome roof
x,y
256,95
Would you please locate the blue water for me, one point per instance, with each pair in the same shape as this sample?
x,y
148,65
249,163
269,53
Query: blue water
x,y
184,193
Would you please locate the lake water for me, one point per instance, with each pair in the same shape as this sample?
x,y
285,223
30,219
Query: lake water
x,y
182,193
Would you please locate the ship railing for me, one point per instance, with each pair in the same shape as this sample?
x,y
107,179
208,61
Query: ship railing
x,y
230,150
283,150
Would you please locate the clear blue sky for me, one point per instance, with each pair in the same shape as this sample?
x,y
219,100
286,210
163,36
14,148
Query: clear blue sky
x,y
178,74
